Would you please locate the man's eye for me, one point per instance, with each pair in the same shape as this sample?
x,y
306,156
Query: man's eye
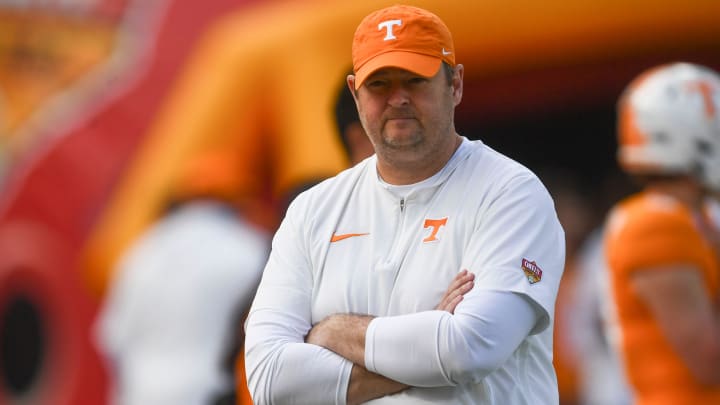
x,y
375,83
417,80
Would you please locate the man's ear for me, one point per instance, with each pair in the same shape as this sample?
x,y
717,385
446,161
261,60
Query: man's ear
x,y
457,83
351,85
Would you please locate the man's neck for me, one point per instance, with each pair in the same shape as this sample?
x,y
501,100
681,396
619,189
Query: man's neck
x,y
686,190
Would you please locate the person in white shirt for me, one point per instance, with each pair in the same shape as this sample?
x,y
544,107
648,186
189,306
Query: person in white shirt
x,y
173,313
428,272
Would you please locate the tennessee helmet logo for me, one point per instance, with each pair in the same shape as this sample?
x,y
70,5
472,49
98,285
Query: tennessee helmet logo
x,y
533,272
435,224
630,132
706,91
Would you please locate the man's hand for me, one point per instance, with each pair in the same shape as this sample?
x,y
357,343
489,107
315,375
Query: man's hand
x,y
365,385
343,334
461,284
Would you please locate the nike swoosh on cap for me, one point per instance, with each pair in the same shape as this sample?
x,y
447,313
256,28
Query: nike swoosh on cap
x,y
338,237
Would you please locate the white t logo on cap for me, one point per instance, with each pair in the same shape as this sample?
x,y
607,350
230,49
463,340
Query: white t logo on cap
x,y
388,25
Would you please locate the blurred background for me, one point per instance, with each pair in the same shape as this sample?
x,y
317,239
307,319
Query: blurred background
x,y
103,101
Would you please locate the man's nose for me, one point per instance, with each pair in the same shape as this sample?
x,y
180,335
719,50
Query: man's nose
x,y
399,96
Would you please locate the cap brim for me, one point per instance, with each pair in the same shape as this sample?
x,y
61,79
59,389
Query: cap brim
x,y
422,65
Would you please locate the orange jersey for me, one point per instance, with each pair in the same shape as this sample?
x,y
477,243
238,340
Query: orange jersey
x,y
645,232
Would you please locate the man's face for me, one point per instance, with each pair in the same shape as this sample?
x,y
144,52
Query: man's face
x,y
407,116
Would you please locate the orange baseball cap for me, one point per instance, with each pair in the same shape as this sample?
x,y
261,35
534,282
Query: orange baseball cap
x,y
400,36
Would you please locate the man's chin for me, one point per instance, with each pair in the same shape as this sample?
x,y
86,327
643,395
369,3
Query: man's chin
x,y
402,138
400,143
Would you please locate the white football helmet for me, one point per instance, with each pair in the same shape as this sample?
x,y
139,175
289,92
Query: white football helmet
x,y
669,123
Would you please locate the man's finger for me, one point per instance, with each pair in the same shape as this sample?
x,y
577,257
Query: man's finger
x,y
461,284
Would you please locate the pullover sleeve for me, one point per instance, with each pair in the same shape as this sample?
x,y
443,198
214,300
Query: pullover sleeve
x,y
436,348
280,367
517,253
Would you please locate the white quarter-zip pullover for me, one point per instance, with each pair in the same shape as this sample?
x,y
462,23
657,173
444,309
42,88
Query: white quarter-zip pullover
x,y
354,244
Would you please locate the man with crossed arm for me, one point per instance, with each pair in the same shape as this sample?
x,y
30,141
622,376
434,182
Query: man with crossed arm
x,y
361,299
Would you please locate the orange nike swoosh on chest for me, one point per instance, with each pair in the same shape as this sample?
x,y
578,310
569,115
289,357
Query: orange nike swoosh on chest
x,y
338,237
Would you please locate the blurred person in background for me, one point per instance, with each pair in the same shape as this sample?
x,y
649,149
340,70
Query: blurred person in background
x,y
171,324
600,375
576,217
588,369
661,244
354,139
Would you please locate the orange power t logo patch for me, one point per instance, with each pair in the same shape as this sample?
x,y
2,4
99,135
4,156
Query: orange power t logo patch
x,y
435,224
533,272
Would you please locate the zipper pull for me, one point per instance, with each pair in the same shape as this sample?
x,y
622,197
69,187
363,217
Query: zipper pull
x,y
402,205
